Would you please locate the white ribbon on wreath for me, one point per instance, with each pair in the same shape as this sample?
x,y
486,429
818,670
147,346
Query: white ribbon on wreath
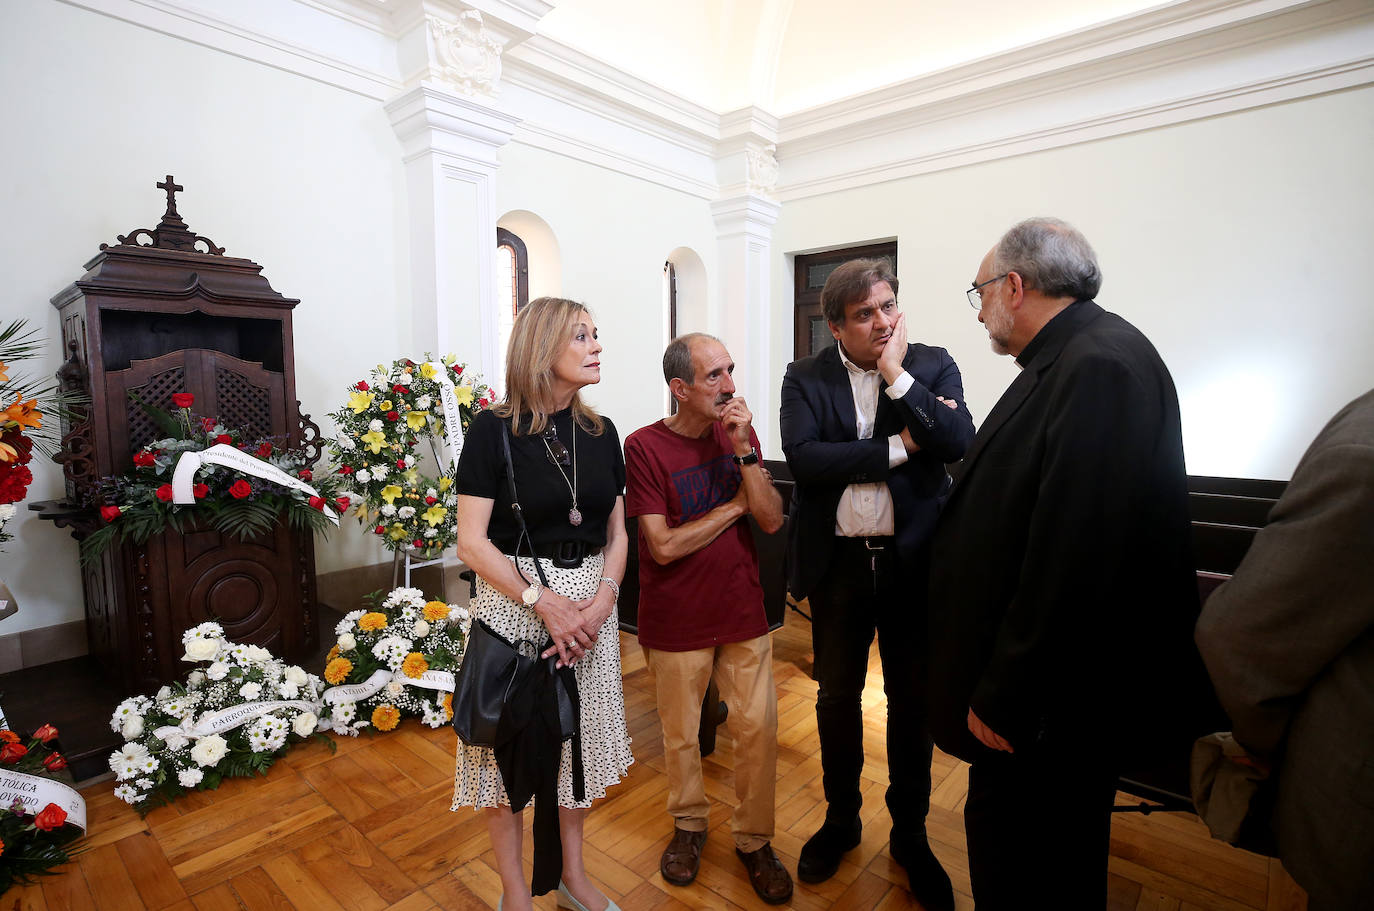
x,y
233,717
184,477
442,681
453,419
36,792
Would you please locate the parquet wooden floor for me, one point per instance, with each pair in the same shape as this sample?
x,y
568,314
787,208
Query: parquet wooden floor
x,y
368,827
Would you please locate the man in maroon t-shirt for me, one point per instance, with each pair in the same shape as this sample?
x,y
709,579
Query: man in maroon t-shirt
x,y
691,479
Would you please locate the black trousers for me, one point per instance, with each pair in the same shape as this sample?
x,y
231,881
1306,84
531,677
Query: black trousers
x,y
1038,823
863,593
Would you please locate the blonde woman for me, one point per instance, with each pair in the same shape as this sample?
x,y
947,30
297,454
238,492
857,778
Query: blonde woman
x,y
570,480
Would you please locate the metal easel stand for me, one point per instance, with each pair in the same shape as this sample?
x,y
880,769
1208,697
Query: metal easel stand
x,y
403,562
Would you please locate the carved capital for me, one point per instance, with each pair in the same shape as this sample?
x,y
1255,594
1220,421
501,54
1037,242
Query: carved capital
x,y
465,54
761,170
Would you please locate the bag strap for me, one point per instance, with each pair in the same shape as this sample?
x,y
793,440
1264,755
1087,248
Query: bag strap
x,y
519,514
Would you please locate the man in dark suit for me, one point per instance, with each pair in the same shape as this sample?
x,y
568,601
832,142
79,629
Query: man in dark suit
x,y
1062,586
1290,644
867,427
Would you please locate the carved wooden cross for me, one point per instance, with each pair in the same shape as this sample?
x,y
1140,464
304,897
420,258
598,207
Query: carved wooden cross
x,y
172,189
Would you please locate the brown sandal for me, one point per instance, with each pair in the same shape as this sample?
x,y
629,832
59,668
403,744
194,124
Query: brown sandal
x,y
682,858
767,875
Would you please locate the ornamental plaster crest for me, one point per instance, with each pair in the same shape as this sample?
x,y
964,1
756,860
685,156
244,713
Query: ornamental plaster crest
x,y
468,55
761,174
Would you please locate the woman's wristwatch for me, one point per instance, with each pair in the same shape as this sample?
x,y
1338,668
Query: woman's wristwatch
x,y
615,586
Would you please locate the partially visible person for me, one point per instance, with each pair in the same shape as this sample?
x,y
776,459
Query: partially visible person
x,y
1062,585
693,479
867,427
1289,642
569,477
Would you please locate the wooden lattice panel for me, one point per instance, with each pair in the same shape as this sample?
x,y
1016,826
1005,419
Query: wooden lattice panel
x,y
157,392
242,404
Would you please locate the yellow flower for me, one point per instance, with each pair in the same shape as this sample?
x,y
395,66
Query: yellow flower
x,y
415,665
463,394
410,474
385,406
415,420
448,705
333,653
385,717
337,670
398,531
427,371
371,621
373,440
359,401
436,610
434,515
390,492
445,484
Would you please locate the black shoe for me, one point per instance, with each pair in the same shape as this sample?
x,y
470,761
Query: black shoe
x,y
820,856
928,880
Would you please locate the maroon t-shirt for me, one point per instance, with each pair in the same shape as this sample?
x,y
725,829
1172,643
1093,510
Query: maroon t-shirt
x,y
711,596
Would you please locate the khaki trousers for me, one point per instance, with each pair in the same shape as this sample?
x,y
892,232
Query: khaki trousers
x,y
744,675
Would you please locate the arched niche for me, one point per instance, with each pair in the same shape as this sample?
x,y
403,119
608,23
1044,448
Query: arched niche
x,y
690,274
543,273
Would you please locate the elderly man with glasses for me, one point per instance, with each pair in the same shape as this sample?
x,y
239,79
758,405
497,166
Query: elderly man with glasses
x,y
1062,590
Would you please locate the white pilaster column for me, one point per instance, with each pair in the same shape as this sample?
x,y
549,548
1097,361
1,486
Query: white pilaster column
x,y
744,216
451,130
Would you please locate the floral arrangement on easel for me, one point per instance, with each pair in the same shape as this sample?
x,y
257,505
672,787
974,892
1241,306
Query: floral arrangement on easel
x,y
233,718
385,420
242,488
394,660
37,831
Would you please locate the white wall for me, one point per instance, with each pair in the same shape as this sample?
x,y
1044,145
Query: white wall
x,y
1236,243
303,178
612,232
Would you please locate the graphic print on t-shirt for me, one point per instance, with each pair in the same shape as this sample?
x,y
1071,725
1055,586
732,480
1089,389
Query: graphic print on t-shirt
x,y
702,488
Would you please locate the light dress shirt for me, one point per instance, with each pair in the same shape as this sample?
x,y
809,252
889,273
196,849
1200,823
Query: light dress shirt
x,y
866,509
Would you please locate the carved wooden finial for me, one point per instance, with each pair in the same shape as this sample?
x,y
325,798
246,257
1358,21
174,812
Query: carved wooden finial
x,y
172,188
171,233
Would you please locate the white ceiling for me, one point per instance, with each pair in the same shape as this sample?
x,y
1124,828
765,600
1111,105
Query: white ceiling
x,y
789,55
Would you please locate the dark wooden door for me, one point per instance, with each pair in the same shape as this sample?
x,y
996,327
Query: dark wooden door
x,y
811,333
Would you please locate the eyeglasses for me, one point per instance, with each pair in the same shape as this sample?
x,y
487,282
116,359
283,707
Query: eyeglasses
x,y
555,450
975,294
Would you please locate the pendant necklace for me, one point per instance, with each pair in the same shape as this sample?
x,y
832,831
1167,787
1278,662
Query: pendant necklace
x,y
574,514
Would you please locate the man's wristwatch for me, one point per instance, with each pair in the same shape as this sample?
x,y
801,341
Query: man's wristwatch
x,y
531,594
751,459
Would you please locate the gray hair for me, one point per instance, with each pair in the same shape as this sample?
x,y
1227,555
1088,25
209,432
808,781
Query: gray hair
x,y
677,358
1052,257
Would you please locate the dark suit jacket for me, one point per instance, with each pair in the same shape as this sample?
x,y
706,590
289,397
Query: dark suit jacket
x,y
1062,586
1289,642
820,441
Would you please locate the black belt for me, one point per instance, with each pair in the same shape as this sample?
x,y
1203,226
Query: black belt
x,y
871,542
563,554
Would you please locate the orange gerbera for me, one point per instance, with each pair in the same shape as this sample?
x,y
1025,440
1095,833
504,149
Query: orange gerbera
x,y
372,621
436,610
333,653
385,717
337,670
448,705
22,413
414,665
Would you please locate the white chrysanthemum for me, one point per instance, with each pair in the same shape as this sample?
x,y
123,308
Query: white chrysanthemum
x,y
209,750
296,674
346,443
288,690
379,472
363,476
375,425
144,783
431,492
423,402
304,724
176,742
177,708
207,630
392,651
189,778
126,793
343,712
388,510
217,671
124,711
458,614
434,715
431,532
128,761
405,512
239,653
250,691
399,596
195,679
347,623
410,461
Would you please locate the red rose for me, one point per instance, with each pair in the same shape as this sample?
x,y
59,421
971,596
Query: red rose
x,y
200,490
457,369
345,469
379,530
399,387
207,424
144,459
55,762
224,438
263,451
361,386
430,501
417,543
342,503
408,362
240,489
183,399
401,464
109,513
305,474
52,816
164,493
46,734
393,416
317,503
13,752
